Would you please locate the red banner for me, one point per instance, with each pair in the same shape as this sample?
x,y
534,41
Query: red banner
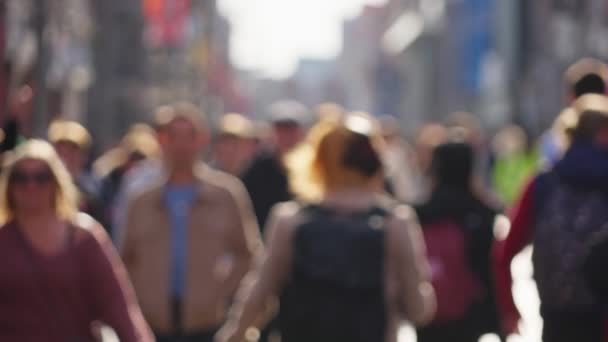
x,y
166,21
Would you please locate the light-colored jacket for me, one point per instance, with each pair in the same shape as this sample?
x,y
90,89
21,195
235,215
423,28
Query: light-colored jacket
x,y
408,291
223,240
136,181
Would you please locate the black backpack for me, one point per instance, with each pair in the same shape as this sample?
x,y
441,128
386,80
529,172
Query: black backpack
x,y
336,289
569,218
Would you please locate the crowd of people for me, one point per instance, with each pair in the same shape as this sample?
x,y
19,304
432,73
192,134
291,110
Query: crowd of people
x,y
317,225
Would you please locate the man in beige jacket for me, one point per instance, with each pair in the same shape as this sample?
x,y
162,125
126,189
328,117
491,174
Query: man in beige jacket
x,y
189,239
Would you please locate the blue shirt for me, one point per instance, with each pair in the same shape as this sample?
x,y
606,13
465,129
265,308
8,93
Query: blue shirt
x,y
178,200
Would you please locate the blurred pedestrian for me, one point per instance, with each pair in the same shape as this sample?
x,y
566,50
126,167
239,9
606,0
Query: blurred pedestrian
x,y
586,76
266,177
476,136
428,137
516,160
457,224
140,177
189,239
136,147
72,142
559,213
59,274
234,144
594,268
399,161
349,263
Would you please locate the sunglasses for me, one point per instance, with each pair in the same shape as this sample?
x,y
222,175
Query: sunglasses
x,y
39,177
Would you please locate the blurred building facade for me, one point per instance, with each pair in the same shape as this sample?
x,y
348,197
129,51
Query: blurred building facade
x,y
440,57
554,34
109,63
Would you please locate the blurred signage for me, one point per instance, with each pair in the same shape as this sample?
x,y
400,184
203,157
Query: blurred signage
x,y
166,21
477,40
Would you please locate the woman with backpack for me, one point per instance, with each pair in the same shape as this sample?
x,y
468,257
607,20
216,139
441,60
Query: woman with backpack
x,y
457,225
346,265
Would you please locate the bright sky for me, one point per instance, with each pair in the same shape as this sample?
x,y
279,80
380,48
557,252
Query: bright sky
x,y
270,36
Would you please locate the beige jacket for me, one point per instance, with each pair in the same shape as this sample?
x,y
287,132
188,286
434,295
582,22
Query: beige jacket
x,y
409,293
223,240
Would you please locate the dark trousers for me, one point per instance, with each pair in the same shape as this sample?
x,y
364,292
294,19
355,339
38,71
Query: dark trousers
x,y
573,327
206,336
271,328
456,331
183,336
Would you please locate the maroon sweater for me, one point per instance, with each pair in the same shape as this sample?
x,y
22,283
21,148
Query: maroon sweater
x,y
58,298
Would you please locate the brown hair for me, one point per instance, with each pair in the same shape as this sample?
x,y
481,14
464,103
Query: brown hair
x,y
319,166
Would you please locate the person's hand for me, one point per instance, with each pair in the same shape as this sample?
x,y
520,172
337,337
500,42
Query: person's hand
x,y
228,333
231,333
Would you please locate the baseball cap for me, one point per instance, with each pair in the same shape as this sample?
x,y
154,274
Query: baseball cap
x,y
289,112
236,125
69,131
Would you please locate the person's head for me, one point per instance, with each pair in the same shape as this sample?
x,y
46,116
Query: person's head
x,y
288,120
453,163
429,136
35,180
592,123
339,154
235,142
510,140
327,110
184,135
586,76
138,144
72,142
470,123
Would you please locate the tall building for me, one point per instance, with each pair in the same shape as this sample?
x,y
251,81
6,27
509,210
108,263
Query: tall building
x,y
359,56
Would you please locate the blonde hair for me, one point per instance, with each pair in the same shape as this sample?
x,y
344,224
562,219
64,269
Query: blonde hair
x,y
564,126
66,196
236,125
139,139
71,131
316,167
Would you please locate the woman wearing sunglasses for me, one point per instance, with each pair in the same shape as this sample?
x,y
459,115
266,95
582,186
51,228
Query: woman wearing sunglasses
x,y
60,278
349,263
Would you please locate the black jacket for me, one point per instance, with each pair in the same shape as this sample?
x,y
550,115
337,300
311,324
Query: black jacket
x,y
267,184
